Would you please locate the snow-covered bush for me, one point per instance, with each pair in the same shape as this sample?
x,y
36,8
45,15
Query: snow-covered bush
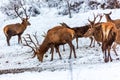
x,y
64,7
93,5
8,8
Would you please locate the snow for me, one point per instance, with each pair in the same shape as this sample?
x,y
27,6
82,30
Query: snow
x,y
89,64
109,71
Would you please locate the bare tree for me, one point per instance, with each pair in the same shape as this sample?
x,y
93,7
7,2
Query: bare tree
x,y
69,8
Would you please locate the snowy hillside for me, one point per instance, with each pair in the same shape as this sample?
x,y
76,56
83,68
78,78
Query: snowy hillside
x,y
89,64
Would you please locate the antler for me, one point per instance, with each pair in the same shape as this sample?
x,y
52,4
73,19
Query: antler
x,y
100,15
27,44
95,17
16,11
35,36
30,40
25,11
92,23
16,8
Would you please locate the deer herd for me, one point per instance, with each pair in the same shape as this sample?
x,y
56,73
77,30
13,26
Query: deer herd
x,y
107,33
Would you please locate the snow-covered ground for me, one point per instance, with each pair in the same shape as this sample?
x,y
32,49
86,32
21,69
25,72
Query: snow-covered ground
x,y
89,64
109,71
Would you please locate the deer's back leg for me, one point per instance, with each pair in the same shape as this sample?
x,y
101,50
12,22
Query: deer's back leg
x,y
8,40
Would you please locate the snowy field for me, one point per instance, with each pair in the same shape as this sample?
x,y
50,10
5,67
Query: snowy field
x,y
89,64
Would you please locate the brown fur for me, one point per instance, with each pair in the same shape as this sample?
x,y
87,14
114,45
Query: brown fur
x,y
15,29
117,41
96,32
108,32
116,21
56,36
79,32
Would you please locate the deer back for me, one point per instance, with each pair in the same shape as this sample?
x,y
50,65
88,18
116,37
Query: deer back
x,y
107,28
117,23
80,31
60,34
55,36
17,28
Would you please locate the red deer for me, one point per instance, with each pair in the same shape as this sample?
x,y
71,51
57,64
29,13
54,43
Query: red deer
x,y
79,32
95,29
116,21
97,33
109,36
55,37
16,29
55,47
28,39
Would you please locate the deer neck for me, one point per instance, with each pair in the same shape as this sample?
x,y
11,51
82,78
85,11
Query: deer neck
x,y
24,25
44,47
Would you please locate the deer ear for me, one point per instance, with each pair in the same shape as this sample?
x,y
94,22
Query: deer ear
x,y
110,13
27,18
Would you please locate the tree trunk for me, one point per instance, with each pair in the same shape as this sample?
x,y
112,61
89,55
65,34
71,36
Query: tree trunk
x,y
69,12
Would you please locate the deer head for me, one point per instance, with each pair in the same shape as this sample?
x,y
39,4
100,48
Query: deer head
x,y
93,25
107,16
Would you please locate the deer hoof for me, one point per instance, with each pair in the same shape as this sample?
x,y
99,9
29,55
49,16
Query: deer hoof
x,y
51,60
117,58
61,58
69,57
106,60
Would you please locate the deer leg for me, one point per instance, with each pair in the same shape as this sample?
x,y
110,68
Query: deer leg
x,y
91,42
77,42
72,48
52,51
63,48
19,38
109,54
94,43
114,47
74,51
8,40
106,58
57,48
